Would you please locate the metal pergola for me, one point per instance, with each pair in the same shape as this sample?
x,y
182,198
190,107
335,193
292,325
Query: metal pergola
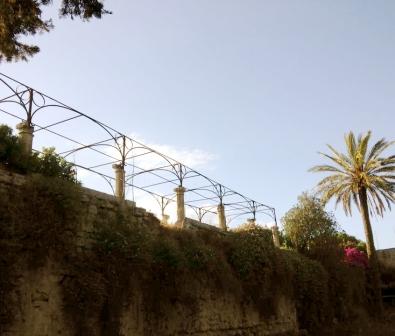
x,y
95,149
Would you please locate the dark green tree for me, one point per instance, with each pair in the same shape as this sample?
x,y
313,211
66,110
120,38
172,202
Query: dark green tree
x,y
11,152
24,17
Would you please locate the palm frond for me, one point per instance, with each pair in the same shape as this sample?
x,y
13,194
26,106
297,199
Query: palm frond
x,y
378,148
363,145
340,156
350,144
325,168
361,169
339,161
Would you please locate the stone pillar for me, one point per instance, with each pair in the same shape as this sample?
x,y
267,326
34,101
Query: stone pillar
x,y
119,181
180,206
221,217
276,236
165,219
25,134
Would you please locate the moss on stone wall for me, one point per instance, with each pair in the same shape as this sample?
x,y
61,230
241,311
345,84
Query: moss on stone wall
x,y
124,250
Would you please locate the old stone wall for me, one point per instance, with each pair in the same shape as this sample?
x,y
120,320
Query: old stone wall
x,y
40,312
37,294
387,257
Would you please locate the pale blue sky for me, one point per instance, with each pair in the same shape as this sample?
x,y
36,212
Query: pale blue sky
x,y
261,85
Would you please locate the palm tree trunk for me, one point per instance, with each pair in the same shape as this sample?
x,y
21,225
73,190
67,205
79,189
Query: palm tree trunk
x,y
371,250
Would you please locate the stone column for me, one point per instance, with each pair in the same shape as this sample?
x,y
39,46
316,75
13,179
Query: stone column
x,y
180,206
276,236
119,181
25,134
221,217
165,219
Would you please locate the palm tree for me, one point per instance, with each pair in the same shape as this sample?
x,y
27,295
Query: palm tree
x,y
365,178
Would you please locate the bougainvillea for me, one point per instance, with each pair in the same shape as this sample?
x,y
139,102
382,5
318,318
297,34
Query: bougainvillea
x,y
355,257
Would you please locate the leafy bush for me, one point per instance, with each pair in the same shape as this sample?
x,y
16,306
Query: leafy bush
x,y
252,251
51,164
122,235
355,257
346,240
310,291
47,162
169,265
44,214
11,152
307,224
312,231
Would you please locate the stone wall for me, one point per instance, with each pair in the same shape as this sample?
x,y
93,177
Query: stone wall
x,y
37,293
40,313
387,257
193,224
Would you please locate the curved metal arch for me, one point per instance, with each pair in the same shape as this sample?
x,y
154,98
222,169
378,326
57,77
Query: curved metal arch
x,y
13,102
88,146
68,108
162,204
172,163
231,218
200,212
180,174
150,171
203,189
40,101
59,104
105,177
269,213
16,93
136,148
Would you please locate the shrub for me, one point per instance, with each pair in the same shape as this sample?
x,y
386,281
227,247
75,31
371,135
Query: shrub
x,y
346,240
355,257
47,162
51,164
307,223
11,153
122,235
252,251
310,291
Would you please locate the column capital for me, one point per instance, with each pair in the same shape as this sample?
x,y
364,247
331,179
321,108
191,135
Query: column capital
x,y
23,126
117,166
25,135
179,189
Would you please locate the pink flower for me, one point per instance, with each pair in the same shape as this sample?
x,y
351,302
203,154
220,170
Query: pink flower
x,y
355,257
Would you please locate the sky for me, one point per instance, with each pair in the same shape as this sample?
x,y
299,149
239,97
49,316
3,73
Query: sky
x,y
255,88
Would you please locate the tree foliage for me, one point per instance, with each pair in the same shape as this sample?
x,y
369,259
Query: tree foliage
x,y
307,225
11,154
24,17
359,170
346,240
361,176
366,178
47,162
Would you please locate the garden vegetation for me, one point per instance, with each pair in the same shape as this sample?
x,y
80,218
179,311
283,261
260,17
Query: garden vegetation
x,y
40,221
